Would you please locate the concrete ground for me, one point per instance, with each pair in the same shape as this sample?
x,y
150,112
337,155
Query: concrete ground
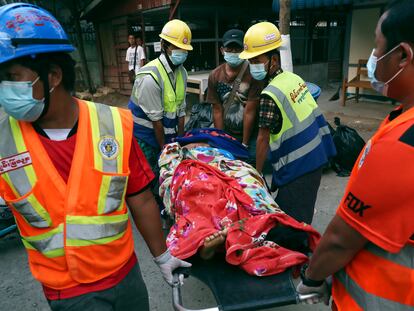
x,y
19,291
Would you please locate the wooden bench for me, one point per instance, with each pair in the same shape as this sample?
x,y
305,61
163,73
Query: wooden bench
x,y
356,82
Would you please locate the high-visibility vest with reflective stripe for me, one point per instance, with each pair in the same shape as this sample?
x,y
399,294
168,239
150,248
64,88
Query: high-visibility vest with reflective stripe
x,y
74,232
376,279
173,97
304,143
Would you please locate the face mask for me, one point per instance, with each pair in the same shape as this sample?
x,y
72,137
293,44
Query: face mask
x,y
258,71
372,67
233,59
178,57
18,102
381,87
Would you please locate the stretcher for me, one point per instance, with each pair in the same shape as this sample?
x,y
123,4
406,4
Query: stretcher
x,y
235,290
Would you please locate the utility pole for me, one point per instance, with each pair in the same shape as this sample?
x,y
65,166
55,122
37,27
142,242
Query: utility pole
x,y
284,27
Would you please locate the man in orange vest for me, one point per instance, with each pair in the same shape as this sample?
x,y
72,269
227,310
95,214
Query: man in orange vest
x,y
369,246
68,169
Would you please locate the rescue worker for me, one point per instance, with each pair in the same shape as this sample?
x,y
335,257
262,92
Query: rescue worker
x,y
369,245
290,124
158,97
68,169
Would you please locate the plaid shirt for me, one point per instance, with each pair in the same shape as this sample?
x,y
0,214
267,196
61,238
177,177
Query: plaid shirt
x,y
269,113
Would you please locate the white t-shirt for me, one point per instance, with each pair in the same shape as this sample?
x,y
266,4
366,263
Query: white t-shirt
x,y
130,54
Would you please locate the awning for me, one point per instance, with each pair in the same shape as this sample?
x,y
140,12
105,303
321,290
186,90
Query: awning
x,y
313,4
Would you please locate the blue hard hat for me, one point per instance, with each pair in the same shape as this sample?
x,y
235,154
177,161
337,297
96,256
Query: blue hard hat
x,y
314,90
26,29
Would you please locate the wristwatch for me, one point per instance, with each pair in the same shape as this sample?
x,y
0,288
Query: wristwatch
x,y
245,145
306,281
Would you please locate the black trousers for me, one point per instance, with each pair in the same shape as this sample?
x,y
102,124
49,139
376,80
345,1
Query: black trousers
x,y
297,198
130,294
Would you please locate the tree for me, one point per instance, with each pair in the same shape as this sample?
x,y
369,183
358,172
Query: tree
x,y
284,26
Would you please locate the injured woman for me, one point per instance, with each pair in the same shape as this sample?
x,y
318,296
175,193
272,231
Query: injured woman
x,y
219,203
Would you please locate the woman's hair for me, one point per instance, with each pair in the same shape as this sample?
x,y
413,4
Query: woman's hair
x,y
397,27
42,63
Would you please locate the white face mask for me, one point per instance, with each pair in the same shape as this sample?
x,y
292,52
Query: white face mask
x,y
379,86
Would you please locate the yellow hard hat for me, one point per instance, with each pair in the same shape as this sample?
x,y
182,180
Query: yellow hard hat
x,y
259,39
178,33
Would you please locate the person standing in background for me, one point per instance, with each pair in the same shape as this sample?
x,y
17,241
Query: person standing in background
x,y
234,73
135,56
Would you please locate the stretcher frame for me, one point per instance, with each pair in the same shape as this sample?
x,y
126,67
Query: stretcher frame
x,y
254,304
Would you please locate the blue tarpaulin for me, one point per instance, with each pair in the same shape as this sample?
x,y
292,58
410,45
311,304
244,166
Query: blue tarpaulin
x,y
310,4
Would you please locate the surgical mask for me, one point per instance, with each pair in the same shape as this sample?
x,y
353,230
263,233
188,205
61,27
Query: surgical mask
x,y
258,71
17,100
178,57
379,86
371,68
233,59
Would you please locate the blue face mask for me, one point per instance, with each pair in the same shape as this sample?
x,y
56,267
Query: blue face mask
x,y
178,57
258,71
18,102
233,59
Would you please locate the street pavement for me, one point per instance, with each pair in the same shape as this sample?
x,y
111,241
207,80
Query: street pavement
x,y
19,291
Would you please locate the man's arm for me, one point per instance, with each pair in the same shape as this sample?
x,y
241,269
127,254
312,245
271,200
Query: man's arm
x,y
159,132
218,115
214,99
181,121
249,117
337,248
262,147
146,216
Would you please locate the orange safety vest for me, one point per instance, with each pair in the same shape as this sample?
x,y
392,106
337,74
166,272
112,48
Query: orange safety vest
x,y
79,231
377,279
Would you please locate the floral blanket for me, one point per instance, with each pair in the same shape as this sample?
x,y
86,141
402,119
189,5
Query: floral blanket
x,y
206,190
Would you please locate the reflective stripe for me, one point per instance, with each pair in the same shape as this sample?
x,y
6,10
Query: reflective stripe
x,y
366,300
93,116
110,199
303,125
33,212
22,180
119,134
404,258
90,230
302,151
149,125
18,180
284,101
143,122
50,244
106,121
154,70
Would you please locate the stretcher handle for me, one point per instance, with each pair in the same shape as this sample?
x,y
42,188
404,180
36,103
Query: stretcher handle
x,y
176,292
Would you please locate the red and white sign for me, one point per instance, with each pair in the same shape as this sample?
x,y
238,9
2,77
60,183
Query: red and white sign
x,y
15,162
